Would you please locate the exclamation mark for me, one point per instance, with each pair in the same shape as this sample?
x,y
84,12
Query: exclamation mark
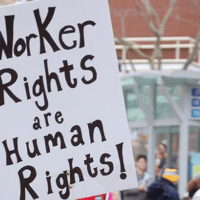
x,y
121,160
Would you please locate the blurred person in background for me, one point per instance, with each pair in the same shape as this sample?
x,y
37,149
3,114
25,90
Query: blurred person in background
x,y
144,180
162,151
164,188
161,159
158,168
194,188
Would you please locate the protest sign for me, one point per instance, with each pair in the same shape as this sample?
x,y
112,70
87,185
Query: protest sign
x,y
64,133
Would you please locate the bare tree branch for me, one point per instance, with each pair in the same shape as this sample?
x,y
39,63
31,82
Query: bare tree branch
x,y
148,8
157,51
147,17
156,16
140,11
195,48
151,12
130,46
194,51
166,17
196,5
122,14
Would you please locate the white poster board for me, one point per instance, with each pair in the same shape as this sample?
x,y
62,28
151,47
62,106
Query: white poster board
x,y
64,133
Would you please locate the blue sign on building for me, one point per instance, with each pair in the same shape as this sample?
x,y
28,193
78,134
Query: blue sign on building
x,y
195,102
196,92
195,113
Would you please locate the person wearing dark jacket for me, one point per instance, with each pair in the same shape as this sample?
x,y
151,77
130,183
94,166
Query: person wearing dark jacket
x,y
144,180
164,188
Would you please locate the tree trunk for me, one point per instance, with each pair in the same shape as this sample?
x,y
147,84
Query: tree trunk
x,y
151,61
159,56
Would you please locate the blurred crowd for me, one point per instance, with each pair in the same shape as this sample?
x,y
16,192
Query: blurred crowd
x,y
165,183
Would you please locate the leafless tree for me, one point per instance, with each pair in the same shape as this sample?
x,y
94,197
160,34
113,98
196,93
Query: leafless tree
x,y
121,14
156,25
197,40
